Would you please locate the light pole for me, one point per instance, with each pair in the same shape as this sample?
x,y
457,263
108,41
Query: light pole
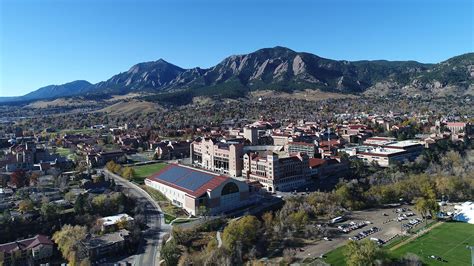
x,y
472,254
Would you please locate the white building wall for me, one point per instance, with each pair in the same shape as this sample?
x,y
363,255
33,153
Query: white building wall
x,y
177,197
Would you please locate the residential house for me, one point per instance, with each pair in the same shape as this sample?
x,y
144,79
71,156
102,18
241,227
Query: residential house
x,y
27,251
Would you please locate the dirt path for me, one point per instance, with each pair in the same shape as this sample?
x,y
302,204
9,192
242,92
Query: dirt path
x,y
415,236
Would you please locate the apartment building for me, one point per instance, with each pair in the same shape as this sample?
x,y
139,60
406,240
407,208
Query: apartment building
x,y
275,173
213,155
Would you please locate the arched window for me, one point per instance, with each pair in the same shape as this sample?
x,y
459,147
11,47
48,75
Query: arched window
x,y
229,188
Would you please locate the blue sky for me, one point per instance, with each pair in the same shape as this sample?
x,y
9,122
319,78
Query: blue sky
x,y
46,42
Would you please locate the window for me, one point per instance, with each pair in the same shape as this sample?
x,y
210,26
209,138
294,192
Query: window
x,y
229,188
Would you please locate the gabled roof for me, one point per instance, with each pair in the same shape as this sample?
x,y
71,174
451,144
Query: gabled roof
x,y
25,244
190,180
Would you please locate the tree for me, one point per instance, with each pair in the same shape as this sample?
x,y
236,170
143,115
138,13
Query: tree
x,y
70,196
80,204
268,220
203,211
122,223
85,262
26,205
128,173
427,206
48,211
99,179
362,253
299,219
243,230
18,178
100,203
34,178
110,165
184,236
170,253
289,255
117,169
68,239
218,256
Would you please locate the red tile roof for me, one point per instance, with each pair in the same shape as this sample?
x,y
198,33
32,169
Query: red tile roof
x,y
333,142
316,162
456,124
301,143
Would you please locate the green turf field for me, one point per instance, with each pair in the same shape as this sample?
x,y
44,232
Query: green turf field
x,y
143,171
447,241
336,256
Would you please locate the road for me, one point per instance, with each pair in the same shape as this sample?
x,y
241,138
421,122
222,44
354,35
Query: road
x,y
148,251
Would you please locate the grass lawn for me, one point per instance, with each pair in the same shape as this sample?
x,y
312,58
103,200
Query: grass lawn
x,y
182,220
169,218
144,171
155,194
447,241
65,152
336,256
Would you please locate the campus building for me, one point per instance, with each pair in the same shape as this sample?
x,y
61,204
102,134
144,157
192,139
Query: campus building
x,y
251,134
193,189
302,147
385,151
277,174
99,159
457,127
221,157
411,148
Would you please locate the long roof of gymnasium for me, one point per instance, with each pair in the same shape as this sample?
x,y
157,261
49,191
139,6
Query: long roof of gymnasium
x,y
192,181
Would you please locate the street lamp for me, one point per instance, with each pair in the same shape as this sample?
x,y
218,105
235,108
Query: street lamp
x,y
472,254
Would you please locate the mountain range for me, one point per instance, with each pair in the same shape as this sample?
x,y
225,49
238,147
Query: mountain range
x,y
279,69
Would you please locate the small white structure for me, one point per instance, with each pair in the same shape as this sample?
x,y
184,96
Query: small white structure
x,y
109,221
464,212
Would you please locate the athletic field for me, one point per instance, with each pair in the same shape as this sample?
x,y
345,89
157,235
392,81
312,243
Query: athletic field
x,y
143,171
447,241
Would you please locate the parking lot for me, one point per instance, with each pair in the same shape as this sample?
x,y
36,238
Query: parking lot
x,y
381,224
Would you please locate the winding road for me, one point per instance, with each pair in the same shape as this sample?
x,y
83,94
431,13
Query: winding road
x,y
148,252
